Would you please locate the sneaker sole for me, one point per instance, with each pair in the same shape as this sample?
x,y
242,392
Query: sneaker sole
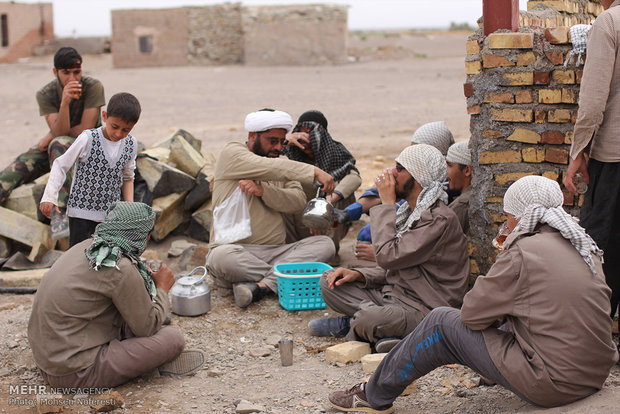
x,y
186,363
243,297
362,409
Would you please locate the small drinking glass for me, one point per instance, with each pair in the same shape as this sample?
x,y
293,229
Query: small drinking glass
x,y
580,183
502,233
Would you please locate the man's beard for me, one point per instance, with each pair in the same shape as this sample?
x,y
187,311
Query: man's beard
x,y
407,189
258,150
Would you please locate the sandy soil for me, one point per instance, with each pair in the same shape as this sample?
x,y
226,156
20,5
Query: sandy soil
x,y
392,85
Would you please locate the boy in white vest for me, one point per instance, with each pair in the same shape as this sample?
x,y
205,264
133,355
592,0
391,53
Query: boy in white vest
x,y
105,159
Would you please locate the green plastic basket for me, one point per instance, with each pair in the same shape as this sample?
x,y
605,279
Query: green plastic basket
x,y
298,285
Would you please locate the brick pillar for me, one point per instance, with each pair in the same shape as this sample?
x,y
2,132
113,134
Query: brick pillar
x,y
500,14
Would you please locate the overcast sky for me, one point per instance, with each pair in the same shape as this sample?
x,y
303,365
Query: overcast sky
x,y
92,17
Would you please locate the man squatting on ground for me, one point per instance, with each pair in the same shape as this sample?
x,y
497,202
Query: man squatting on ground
x,y
97,315
538,323
70,103
597,133
273,187
458,160
421,255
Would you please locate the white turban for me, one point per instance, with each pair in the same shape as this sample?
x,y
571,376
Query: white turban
x,y
436,134
428,167
535,199
459,153
266,119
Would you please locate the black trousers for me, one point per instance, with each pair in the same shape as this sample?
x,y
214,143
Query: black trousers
x,y
80,229
600,216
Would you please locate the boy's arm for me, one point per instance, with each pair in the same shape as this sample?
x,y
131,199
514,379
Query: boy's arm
x,y
127,190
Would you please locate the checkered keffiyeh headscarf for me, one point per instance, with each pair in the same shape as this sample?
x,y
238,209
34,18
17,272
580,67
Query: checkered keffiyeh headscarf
x,y
428,167
579,39
535,199
459,153
436,134
123,232
330,156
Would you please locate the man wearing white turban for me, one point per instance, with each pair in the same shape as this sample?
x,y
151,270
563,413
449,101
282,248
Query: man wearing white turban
x,y
538,323
272,187
458,160
421,255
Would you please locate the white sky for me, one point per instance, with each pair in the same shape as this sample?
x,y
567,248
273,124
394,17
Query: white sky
x,y
92,17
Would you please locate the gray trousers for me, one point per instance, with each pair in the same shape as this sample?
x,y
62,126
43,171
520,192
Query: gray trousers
x,y
374,316
123,359
440,339
235,263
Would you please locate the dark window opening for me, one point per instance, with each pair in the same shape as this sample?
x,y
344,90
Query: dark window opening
x,y
4,27
146,44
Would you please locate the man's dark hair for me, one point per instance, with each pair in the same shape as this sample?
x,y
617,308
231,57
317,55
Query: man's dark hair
x,y
66,58
124,106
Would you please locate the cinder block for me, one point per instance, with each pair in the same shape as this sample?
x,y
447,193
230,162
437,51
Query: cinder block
x,y
473,109
473,68
565,77
351,351
510,177
491,134
525,59
499,157
370,362
557,58
524,96
512,115
552,137
559,115
556,155
518,79
541,78
533,154
494,61
472,47
511,40
498,97
557,35
549,96
524,135
569,96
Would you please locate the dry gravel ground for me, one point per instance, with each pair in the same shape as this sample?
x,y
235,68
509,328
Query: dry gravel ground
x,y
397,83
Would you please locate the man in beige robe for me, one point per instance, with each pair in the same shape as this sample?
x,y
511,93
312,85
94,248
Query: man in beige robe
x,y
272,187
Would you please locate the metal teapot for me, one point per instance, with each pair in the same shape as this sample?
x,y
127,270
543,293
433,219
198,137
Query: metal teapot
x,y
190,295
318,214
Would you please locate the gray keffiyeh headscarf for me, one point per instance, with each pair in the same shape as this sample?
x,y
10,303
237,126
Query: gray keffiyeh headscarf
x,y
428,167
535,199
123,232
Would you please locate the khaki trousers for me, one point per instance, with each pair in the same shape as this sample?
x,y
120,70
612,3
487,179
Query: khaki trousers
x,y
236,263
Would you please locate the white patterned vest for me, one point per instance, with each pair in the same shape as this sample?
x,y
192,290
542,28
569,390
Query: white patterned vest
x,y
97,182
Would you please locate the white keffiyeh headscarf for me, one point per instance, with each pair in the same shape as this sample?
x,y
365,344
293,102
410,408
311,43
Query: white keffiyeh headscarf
x,y
428,167
535,199
459,153
436,134
579,39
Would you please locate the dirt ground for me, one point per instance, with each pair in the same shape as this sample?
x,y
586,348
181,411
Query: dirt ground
x,y
393,84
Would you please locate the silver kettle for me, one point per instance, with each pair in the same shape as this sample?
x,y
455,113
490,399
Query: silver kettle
x,y
318,214
190,295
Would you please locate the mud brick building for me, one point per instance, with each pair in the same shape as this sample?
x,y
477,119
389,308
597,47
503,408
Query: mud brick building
x,y
523,103
22,27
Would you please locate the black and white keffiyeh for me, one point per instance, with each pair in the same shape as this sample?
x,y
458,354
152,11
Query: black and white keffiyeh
x,y
436,134
536,199
329,155
579,39
428,167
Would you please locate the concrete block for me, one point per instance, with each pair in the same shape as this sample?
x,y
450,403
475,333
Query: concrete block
x,y
524,135
473,68
557,35
499,157
163,179
518,79
203,189
526,59
559,115
161,154
511,40
472,47
506,178
565,77
552,137
494,61
533,154
370,362
185,157
25,199
181,133
556,155
22,278
512,115
351,351
499,97
549,96
200,223
24,229
524,96
170,214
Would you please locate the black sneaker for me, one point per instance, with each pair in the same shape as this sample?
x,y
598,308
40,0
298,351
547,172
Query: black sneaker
x,y
337,327
354,399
